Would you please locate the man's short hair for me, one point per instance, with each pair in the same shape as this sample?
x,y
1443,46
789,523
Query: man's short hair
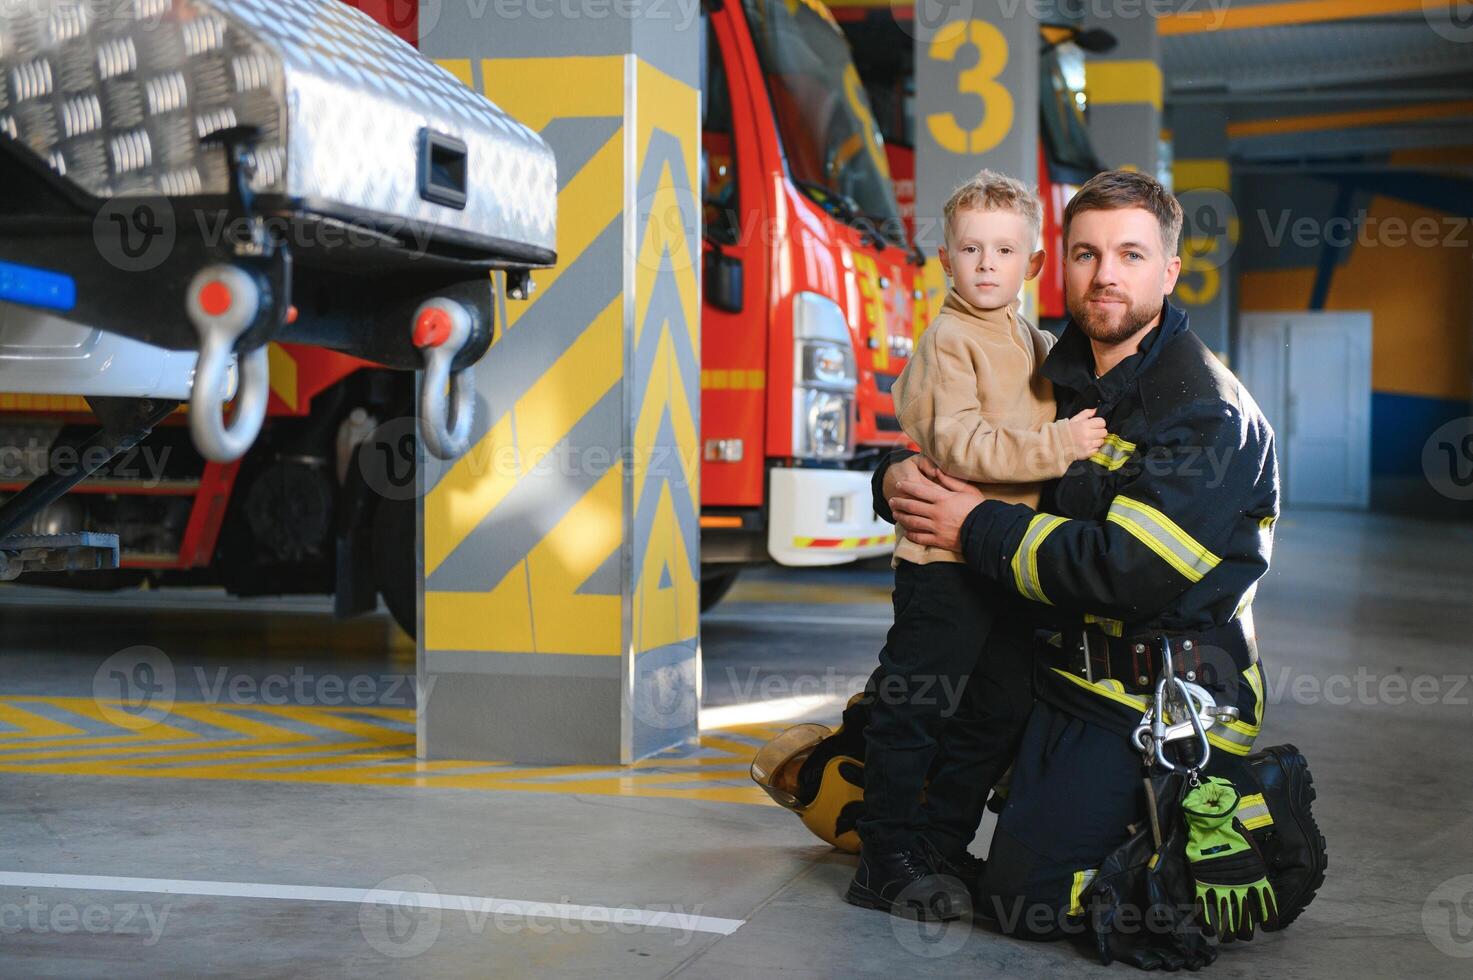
x,y
992,191
1115,190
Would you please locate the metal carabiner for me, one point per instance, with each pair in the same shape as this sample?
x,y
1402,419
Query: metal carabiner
x,y
1154,730
222,302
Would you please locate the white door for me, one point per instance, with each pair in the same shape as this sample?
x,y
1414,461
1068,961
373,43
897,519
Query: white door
x,y
1311,375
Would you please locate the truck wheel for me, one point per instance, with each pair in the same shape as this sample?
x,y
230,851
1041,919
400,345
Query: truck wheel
x,y
715,586
394,561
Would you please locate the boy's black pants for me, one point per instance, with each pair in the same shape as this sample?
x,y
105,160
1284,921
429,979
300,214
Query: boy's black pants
x,y
951,696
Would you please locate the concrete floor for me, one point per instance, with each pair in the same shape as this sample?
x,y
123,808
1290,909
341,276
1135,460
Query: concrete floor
x,y
248,834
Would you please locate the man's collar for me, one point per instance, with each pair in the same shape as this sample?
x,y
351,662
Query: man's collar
x,y
1071,363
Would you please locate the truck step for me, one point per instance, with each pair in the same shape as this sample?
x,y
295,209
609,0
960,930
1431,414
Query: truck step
x,y
78,551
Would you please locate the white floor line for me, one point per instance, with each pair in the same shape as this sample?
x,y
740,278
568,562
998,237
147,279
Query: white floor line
x,y
764,712
755,619
473,904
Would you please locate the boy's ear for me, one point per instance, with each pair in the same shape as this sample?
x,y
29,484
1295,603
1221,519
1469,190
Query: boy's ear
x,y
945,259
1035,264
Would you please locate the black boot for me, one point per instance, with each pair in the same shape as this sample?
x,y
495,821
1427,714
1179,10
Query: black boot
x,y
1292,845
903,883
959,863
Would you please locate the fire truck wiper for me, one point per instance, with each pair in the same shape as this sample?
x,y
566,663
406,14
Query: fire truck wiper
x,y
839,205
846,209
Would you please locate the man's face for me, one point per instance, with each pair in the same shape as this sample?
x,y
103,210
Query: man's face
x,y
1116,272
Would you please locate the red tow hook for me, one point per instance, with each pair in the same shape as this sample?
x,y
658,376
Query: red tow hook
x,y
432,328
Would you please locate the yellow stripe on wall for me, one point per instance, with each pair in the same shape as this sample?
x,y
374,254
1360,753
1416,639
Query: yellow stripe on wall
x,y
1285,14
1195,174
1349,120
1123,83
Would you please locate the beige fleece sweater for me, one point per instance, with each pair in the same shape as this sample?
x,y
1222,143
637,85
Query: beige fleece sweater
x,y
973,400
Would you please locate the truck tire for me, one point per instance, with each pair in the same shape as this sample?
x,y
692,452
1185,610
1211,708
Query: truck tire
x,y
714,586
394,561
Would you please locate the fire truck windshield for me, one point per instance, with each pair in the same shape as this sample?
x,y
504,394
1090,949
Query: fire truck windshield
x,y
832,144
1061,72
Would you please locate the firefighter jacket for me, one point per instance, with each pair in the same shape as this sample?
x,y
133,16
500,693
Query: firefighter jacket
x,y
1163,533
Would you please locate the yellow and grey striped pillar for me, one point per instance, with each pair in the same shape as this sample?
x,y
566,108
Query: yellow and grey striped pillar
x,y
561,578
976,107
1202,181
1124,91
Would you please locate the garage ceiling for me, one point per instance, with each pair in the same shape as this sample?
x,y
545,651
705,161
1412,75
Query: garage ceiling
x,y
1311,80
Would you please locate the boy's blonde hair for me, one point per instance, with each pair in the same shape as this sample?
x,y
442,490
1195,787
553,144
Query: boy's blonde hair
x,y
992,191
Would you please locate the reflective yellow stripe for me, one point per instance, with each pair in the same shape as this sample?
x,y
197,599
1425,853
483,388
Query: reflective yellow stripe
x,y
1253,812
1129,700
1230,741
1076,890
1267,523
1162,535
1114,627
1025,559
1113,454
1247,601
1254,676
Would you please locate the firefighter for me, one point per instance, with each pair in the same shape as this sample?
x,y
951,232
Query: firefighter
x,y
1160,536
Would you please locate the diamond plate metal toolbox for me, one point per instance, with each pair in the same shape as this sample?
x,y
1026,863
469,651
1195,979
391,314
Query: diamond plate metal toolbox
x,y
119,97
207,176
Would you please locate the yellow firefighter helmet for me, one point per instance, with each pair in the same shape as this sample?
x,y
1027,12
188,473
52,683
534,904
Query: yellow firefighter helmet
x,y
819,775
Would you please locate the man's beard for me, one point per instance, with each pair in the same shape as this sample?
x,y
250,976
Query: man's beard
x,y
1096,323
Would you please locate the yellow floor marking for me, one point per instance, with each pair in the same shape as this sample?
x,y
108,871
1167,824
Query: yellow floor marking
x,y
345,747
327,718
153,759
117,715
34,725
235,721
69,742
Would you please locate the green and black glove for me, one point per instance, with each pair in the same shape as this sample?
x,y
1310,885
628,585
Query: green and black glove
x,y
1231,876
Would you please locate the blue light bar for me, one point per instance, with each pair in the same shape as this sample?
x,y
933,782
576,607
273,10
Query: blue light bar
x,y
37,287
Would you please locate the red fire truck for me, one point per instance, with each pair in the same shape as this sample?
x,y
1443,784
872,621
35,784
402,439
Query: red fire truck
x,y
808,317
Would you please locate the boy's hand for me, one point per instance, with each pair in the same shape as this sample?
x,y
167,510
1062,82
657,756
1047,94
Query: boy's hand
x,y
1088,433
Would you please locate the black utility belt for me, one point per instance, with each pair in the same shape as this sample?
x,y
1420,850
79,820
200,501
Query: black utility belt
x,y
1214,658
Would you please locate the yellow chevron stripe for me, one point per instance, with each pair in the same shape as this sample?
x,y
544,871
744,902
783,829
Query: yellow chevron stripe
x,y
662,615
482,478
538,90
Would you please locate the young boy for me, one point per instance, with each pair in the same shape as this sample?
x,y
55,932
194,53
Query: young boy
x,y
974,402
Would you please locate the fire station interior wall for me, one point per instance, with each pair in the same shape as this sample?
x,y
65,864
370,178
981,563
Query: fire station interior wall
x,y
560,613
1124,90
1396,244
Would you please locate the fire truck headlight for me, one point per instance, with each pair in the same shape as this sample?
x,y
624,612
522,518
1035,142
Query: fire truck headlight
x,y
826,425
824,379
829,365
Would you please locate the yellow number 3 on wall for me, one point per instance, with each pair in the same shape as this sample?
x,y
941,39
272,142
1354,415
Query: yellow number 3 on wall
x,y
979,80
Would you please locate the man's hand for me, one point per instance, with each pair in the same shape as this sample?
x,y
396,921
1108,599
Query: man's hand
x,y
932,511
911,469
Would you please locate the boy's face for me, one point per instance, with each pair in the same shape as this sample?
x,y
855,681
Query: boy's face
x,y
990,254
